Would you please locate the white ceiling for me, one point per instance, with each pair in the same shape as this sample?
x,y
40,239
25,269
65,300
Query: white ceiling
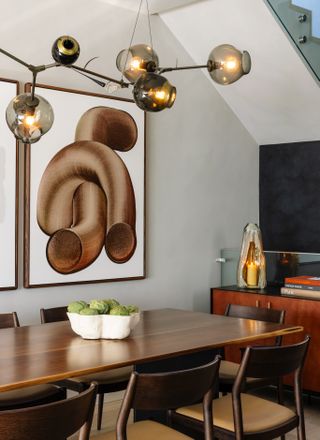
x,y
279,100
155,6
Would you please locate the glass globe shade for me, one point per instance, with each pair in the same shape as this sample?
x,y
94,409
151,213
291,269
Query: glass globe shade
x,y
29,119
153,92
136,60
65,50
226,64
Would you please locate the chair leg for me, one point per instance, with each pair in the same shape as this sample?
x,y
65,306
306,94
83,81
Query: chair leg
x,y
280,392
100,410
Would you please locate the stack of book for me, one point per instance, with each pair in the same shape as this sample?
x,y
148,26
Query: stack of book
x,y
303,285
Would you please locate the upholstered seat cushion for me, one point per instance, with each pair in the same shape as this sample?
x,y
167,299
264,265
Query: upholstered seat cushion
x,y
258,414
146,430
106,377
29,396
229,370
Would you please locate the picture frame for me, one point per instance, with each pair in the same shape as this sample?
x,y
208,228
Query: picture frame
x,y
9,192
84,219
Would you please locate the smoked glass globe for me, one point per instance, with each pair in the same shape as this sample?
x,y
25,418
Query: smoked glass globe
x,y
136,60
29,118
65,50
226,64
153,92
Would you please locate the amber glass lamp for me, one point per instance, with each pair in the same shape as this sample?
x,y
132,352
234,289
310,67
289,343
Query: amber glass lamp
x,y
252,266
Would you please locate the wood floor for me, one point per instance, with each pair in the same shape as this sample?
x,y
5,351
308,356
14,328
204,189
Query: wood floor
x,y
312,415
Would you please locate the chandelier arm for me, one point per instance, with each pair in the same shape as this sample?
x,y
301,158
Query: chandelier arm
x,y
100,83
122,83
161,70
13,57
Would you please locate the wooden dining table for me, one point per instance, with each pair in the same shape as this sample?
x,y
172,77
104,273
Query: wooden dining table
x,y
50,352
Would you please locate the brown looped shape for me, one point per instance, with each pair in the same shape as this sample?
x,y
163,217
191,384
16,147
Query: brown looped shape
x,y
86,198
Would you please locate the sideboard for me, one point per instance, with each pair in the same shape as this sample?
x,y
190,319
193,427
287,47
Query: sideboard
x,y
299,311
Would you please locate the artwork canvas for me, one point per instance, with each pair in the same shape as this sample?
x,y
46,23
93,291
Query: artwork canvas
x,y
8,192
85,192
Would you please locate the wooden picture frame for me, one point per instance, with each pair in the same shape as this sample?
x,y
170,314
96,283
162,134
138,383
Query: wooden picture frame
x,y
9,190
85,192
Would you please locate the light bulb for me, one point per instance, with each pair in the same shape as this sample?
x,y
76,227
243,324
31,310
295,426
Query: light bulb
x,y
136,60
153,92
226,64
29,118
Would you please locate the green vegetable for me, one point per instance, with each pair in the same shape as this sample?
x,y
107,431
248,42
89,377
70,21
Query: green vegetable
x,y
76,306
119,310
99,305
132,309
110,302
89,311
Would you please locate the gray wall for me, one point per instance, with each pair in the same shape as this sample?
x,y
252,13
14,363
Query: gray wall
x,y
202,164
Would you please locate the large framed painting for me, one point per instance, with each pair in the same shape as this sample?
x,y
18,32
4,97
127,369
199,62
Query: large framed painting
x,y
8,192
85,192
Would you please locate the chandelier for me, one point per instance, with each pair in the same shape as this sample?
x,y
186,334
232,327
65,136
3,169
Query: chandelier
x,y
29,116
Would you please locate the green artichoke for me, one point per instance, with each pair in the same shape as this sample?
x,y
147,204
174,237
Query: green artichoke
x,y
119,310
89,311
99,305
77,306
132,309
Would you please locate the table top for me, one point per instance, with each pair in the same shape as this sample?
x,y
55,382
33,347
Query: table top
x,y
50,352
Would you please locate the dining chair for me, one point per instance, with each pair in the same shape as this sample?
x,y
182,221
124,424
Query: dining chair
x,y
165,391
29,396
244,416
52,421
107,381
229,370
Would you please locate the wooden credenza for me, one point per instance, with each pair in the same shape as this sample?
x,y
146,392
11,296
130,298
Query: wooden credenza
x,y
299,311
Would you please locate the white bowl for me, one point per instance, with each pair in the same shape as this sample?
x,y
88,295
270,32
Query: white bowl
x,y
103,326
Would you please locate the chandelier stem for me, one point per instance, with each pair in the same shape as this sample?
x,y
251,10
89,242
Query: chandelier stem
x,y
170,69
98,75
18,60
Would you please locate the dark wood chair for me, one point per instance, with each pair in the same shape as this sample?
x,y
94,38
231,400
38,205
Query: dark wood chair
x,y
243,416
166,391
53,421
29,396
229,370
107,381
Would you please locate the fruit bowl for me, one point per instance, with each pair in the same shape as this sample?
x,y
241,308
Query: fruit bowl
x,y
103,326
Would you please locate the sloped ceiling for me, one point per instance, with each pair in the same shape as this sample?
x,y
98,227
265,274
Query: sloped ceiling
x,y
279,100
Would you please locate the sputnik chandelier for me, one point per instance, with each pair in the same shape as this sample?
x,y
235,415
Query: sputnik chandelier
x,y
29,116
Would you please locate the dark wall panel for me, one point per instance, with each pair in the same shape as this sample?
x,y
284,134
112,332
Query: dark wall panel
x,y
290,196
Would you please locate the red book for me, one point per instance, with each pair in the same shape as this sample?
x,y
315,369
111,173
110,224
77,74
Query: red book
x,y
303,279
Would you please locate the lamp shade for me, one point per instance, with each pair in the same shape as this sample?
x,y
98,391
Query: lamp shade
x,y
136,60
226,64
65,50
28,118
153,92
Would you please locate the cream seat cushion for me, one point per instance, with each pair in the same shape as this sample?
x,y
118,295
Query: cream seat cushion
x,y
258,414
146,430
229,370
106,377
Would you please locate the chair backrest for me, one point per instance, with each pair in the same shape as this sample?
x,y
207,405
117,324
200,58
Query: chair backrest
x,y
53,314
274,361
270,362
170,390
53,421
258,314
9,320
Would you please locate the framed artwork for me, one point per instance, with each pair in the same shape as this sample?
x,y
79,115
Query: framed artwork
x,y
85,192
8,192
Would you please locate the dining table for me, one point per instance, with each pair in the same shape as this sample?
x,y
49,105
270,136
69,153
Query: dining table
x,y
51,352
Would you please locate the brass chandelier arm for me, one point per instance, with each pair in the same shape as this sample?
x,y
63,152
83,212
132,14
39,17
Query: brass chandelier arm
x,y
100,83
161,70
122,83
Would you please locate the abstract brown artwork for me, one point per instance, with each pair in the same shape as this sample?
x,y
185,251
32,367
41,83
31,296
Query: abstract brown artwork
x,y
86,200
